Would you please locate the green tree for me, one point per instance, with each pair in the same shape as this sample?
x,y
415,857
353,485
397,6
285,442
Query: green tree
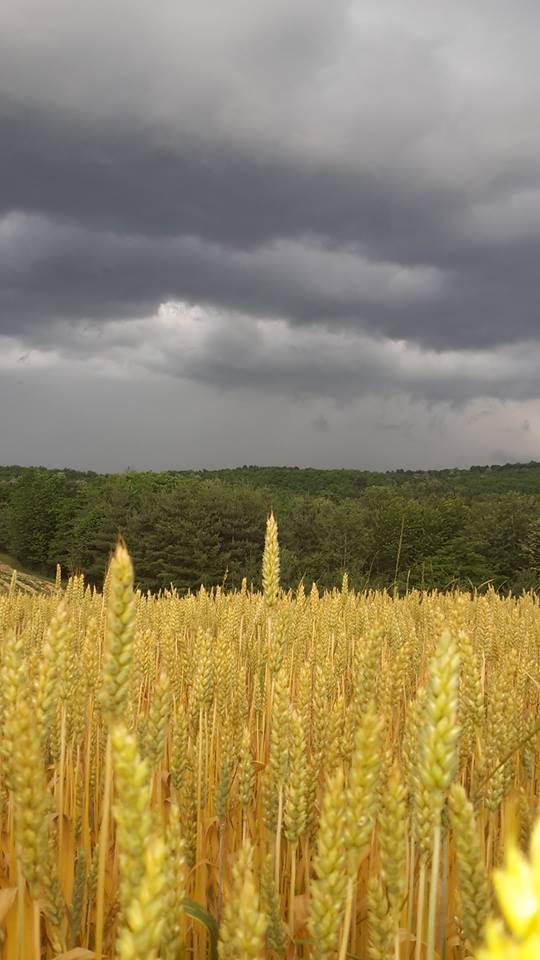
x,y
33,515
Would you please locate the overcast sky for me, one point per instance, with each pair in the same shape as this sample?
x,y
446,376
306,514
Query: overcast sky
x,y
269,231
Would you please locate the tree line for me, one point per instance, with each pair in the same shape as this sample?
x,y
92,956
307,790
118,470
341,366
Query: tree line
x,y
436,529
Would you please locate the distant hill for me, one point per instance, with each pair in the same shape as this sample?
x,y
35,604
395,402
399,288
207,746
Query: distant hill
x,y
477,480
400,529
474,481
24,581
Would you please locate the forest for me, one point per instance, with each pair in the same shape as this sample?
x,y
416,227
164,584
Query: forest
x,y
398,530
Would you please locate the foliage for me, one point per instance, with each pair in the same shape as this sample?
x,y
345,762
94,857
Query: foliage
x,y
433,529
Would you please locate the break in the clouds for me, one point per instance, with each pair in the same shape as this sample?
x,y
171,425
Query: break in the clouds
x,y
332,208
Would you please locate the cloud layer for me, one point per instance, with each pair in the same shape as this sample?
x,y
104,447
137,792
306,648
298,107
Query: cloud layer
x,y
332,203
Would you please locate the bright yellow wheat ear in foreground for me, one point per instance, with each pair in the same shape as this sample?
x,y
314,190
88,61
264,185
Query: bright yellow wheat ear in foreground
x,y
518,893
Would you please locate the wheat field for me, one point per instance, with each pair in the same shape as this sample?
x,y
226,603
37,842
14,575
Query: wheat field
x,y
271,774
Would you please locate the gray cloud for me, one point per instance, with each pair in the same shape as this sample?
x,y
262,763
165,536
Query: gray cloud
x,y
233,352
348,193
69,414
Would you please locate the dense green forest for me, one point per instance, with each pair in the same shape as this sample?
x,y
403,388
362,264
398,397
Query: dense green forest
x,y
405,528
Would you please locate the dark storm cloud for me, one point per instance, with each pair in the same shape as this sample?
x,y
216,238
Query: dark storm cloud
x,y
222,194
152,226
232,353
368,168
63,271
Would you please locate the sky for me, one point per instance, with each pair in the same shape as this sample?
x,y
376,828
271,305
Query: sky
x,y
269,232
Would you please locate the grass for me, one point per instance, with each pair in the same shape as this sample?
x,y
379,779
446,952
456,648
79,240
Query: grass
x,y
27,581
